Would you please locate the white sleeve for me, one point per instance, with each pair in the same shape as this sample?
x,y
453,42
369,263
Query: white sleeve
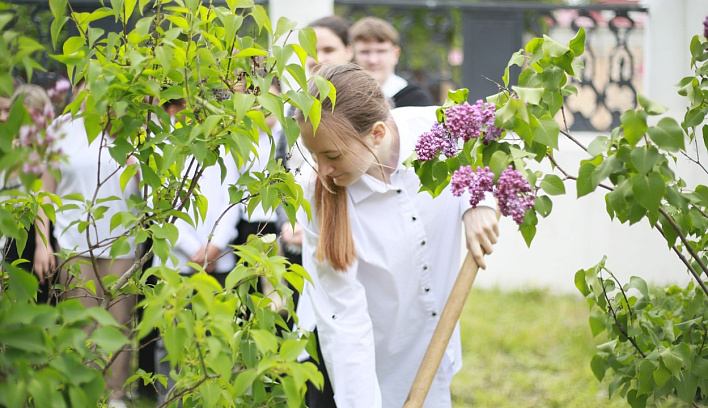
x,y
487,201
345,329
225,232
187,243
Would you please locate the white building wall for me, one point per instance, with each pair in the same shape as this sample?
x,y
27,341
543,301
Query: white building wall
x,y
579,232
300,11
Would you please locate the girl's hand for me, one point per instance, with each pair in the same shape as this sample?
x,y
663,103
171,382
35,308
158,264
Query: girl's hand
x,y
211,252
291,235
44,261
481,232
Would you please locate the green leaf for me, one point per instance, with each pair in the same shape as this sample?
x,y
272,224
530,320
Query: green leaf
x,y
117,6
308,41
243,381
543,205
552,48
635,400
668,135
175,338
58,8
672,361
552,185
121,246
599,145
129,8
260,15
686,387
599,367
458,96
584,184
547,132
128,173
648,190
283,26
635,126
529,95
109,338
644,158
608,167
265,341
291,349
22,285
553,78
25,338
577,44
498,162
651,107
101,316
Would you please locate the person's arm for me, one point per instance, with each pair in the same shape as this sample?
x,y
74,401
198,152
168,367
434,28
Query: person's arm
x,y
224,233
222,217
345,330
44,261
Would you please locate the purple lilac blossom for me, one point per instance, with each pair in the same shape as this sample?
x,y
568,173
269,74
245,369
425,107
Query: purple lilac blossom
x,y
705,27
40,138
467,121
430,143
513,194
476,183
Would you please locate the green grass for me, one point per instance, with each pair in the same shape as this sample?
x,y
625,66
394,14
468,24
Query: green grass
x,y
527,349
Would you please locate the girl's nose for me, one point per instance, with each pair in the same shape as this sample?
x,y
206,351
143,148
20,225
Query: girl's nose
x,y
324,167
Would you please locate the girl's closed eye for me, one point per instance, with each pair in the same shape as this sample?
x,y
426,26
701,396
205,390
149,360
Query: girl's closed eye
x,y
335,157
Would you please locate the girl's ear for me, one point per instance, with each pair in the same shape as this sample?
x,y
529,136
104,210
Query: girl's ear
x,y
378,131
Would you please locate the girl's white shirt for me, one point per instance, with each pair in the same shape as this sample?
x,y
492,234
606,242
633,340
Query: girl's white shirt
x,y
79,174
375,320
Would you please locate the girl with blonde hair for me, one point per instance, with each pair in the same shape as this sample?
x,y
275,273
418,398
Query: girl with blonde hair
x,y
383,255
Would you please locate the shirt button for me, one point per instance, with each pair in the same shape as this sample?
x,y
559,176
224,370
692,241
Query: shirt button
x,y
435,313
334,317
422,243
427,289
399,191
413,218
425,267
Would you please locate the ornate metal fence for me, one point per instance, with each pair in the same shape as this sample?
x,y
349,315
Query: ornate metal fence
x,y
459,44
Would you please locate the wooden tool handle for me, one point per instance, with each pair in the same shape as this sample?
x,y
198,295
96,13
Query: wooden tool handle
x,y
443,332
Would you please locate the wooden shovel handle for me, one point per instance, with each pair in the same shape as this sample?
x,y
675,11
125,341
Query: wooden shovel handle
x,y
443,332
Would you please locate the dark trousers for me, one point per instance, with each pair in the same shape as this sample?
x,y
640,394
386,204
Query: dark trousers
x,y
44,293
320,398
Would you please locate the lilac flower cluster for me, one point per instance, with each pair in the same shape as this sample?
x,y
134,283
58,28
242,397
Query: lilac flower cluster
x,y
60,88
58,93
40,138
470,121
512,192
705,27
463,121
476,183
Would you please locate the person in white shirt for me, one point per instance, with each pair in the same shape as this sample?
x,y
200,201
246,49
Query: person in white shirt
x,y
194,243
89,170
383,256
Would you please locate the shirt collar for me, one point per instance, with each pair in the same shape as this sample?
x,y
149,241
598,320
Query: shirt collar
x,y
367,184
393,85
